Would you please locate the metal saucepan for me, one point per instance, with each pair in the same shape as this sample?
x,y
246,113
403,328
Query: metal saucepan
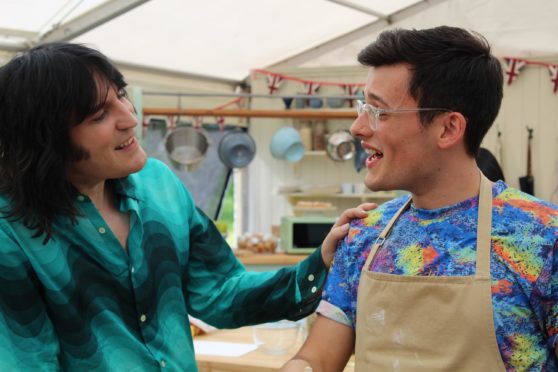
x,y
186,147
340,145
236,149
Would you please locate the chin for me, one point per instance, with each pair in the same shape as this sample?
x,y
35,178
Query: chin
x,y
138,165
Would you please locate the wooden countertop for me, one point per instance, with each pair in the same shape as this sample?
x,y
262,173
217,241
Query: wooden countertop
x,y
271,259
254,361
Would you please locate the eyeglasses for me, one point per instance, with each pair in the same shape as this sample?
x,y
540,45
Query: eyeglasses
x,y
375,113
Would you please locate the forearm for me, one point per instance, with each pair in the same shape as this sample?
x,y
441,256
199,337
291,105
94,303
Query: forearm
x,y
327,348
223,294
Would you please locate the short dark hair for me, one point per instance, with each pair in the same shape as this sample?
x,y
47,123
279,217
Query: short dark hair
x,y
451,68
43,93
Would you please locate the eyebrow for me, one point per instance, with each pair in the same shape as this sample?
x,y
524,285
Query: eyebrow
x,y
374,97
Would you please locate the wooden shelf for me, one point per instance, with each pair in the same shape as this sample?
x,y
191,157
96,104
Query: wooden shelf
x,y
315,153
377,196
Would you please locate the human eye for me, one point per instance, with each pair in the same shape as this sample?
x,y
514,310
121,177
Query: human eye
x,y
122,93
381,113
377,112
100,116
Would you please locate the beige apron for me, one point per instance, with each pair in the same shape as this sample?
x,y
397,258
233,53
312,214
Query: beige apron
x,y
429,323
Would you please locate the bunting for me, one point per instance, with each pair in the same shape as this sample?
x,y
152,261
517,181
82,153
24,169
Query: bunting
x,y
513,67
274,82
553,70
351,90
311,87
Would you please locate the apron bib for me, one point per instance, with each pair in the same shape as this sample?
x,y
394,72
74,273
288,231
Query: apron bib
x,y
429,323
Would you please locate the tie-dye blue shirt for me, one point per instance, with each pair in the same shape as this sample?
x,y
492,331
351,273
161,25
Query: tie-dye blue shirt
x,y
524,265
81,303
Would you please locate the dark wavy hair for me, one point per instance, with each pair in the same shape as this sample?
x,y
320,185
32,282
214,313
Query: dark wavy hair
x,y
451,68
43,93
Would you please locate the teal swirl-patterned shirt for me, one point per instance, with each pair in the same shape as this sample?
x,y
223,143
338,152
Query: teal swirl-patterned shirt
x,y
524,265
82,303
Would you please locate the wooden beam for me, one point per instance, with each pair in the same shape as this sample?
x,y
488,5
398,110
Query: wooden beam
x,y
294,114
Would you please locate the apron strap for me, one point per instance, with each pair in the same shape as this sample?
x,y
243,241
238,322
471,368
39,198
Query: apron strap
x,y
484,230
384,234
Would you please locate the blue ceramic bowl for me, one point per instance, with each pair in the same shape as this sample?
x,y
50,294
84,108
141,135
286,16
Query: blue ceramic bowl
x,y
286,144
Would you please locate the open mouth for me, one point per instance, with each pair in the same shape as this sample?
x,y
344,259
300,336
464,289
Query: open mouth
x,y
374,154
123,145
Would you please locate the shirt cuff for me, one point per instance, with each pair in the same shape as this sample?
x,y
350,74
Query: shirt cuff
x,y
311,274
334,313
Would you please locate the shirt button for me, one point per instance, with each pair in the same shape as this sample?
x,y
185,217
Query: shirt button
x,y
102,230
132,269
143,318
163,364
80,198
311,278
314,289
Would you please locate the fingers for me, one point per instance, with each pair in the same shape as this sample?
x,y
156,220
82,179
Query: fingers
x,y
368,206
358,212
338,232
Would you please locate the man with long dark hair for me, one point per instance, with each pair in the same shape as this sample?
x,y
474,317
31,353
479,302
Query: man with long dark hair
x,y
462,274
103,252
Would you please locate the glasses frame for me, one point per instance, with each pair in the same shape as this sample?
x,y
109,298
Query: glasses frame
x,y
374,113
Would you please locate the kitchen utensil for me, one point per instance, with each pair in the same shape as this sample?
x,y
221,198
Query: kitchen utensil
x,y
316,103
301,102
527,182
340,145
186,147
236,149
335,102
286,144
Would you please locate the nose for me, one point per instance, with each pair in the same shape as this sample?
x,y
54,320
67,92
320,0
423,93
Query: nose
x,y
128,118
361,126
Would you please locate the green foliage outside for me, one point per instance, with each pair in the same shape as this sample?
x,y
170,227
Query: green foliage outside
x,y
226,217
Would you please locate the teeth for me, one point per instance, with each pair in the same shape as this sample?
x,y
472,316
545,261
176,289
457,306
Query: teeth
x,y
373,152
127,143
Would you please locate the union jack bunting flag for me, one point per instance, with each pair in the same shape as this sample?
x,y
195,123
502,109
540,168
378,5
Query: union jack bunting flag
x,y
513,66
274,82
311,87
351,90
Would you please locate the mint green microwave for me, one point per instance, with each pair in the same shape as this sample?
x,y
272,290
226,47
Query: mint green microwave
x,y
303,234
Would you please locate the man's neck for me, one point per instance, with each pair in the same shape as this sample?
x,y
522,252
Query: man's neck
x,y
448,186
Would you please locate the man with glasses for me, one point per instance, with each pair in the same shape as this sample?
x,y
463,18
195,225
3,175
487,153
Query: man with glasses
x,y
460,275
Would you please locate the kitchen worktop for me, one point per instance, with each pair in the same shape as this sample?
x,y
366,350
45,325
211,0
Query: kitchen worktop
x,y
271,259
254,361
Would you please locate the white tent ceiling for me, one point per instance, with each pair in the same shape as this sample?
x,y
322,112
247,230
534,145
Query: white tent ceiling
x,y
225,39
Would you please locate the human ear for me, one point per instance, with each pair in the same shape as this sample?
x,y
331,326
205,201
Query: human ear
x,y
452,129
